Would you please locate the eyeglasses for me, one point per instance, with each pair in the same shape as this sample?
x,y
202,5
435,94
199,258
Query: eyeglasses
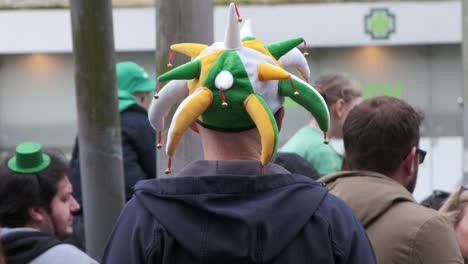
x,y
421,154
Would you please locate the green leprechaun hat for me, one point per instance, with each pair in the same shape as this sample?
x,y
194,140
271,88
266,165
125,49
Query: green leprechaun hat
x,y
29,158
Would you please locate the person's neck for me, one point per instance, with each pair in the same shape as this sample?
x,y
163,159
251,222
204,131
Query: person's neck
x,y
230,150
231,146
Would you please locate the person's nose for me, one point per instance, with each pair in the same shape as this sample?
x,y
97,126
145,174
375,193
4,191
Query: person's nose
x,y
75,206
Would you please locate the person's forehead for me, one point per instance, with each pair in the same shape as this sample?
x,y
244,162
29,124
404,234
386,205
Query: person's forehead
x,y
64,185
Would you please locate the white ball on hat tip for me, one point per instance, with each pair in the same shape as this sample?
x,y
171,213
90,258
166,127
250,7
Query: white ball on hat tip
x,y
224,80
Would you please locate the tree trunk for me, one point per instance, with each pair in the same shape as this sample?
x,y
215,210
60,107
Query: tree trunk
x,y
98,120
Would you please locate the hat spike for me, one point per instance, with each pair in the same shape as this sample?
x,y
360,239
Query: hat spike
x,y
261,114
239,19
246,30
278,49
232,39
310,99
187,71
267,71
186,114
295,58
190,49
173,92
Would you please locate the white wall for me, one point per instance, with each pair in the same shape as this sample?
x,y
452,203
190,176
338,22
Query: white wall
x,y
322,25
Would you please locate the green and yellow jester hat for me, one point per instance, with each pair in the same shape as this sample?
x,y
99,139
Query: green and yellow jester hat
x,y
235,85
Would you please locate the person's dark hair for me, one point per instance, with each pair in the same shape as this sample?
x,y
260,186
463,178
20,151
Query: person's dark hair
x,y
333,87
18,191
379,133
436,199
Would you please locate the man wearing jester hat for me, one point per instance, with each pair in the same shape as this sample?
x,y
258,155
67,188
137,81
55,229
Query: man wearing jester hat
x,y
235,206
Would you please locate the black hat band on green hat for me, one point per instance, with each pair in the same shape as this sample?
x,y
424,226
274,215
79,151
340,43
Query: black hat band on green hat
x,y
29,158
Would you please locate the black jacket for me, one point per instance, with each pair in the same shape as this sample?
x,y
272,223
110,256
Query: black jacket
x,y
232,216
138,150
296,164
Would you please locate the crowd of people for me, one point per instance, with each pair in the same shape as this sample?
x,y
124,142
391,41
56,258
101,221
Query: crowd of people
x,y
243,203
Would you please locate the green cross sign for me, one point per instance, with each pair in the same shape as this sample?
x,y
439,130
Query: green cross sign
x,y
379,23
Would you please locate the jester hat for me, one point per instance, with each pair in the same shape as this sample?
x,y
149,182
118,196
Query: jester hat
x,y
235,85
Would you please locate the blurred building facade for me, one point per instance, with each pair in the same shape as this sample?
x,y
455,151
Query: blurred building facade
x,y
409,50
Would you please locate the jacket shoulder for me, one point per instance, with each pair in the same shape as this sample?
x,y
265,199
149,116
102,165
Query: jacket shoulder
x,y
134,224
411,233
350,242
435,241
59,253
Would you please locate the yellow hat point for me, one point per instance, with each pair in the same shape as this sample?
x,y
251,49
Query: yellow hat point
x,y
267,71
190,49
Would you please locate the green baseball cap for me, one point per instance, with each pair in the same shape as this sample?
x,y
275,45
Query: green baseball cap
x,y
126,100
131,78
29,158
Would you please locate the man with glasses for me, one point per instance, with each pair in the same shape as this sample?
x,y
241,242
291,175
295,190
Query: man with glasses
x,y
381,139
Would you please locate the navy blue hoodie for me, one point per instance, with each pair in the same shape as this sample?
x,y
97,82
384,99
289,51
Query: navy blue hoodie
x,y
232,216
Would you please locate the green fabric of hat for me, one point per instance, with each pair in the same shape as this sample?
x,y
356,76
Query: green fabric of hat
x,y
131,78
29,158
126,100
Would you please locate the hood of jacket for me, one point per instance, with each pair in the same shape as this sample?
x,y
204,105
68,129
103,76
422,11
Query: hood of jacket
x,y
372,193
22,245
215,216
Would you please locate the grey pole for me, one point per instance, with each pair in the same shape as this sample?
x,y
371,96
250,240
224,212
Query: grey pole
x,y
465,88
98,120
180,21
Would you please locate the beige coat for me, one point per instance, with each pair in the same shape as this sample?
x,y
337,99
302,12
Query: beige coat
x,y
400,230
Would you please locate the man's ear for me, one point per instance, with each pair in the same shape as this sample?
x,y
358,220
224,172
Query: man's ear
x,y
194,127
339,107
279,115
37,214
410,162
